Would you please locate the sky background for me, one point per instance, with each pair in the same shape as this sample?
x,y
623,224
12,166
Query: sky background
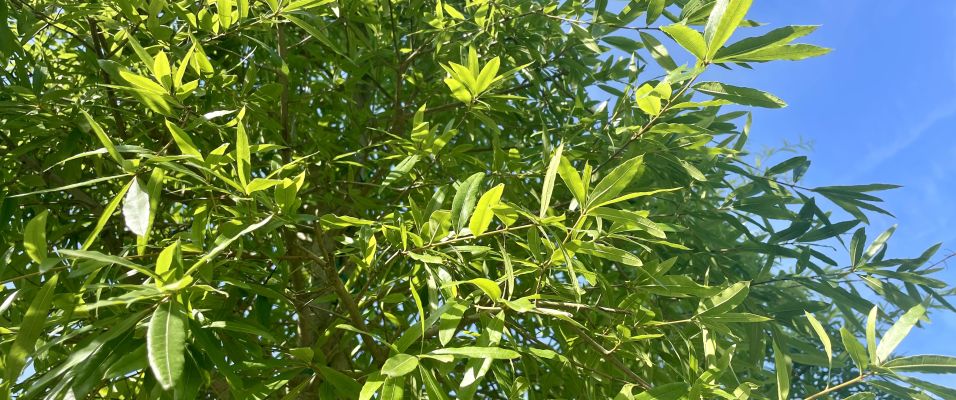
x,y
881,108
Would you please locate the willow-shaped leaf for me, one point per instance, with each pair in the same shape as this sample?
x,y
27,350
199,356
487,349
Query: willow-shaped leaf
x,y
166,343
30,329
136,209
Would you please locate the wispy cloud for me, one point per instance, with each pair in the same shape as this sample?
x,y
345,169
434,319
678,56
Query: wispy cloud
x,y
885,152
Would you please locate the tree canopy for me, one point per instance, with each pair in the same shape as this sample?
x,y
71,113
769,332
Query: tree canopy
x,y
496,199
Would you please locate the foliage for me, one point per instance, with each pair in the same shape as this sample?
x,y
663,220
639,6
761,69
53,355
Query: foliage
x,y
428,198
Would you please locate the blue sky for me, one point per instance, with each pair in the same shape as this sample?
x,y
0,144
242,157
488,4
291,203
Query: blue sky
x,y
880,108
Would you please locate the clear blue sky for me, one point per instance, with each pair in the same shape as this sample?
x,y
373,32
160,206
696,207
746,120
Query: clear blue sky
x,y
880,108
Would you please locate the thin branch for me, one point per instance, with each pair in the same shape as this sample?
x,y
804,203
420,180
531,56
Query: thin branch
x,y
843,385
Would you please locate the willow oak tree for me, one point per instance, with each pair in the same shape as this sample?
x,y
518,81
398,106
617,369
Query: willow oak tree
x,y
426,198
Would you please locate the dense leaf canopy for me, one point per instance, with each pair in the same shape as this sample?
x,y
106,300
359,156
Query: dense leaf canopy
x,y
427,198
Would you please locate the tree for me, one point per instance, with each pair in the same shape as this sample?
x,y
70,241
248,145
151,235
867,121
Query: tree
x,y
492,199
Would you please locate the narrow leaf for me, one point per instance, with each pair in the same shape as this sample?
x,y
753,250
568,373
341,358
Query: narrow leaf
x,y
548,186
166,343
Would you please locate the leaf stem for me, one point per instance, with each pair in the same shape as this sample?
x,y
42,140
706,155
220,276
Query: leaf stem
x,y
843,385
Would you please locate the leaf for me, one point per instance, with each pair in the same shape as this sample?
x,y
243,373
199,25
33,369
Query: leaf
x,y
224,244
878,243
400,170
136,209
898,331
30,329
855,349
105,216
161,70
488,286
606,252
856,247
224,10
654,10
782,368
740,95
165,262
166,343
724,301
464,201
926,364
723,21
104,139
572,180
658,51
399,365
688,38
448,322
458,90
183,141
871,335
484,211
108,259
822,334
434,390
242,327
34,237
372,384
494,353
488,75
616,181
243,163
548,187
790,52
776,37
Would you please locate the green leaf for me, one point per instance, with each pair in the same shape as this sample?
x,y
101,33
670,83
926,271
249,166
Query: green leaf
x,y
871,335
108,259
243,163
654,10
464,202
487,75
434,390
30,329
104,138
401,169
688,38
399,365
878,243
183,141
658,51
782,367
724,301
448,322
242,327
224,10
225,243
856,247
606,252
136,209
484,211
723,21
926,364
855,349
740,95
776,37
898,331
488,286
572,180
494,353
548,187
616,181
822,334
105,216
166,343
790,52
34,237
